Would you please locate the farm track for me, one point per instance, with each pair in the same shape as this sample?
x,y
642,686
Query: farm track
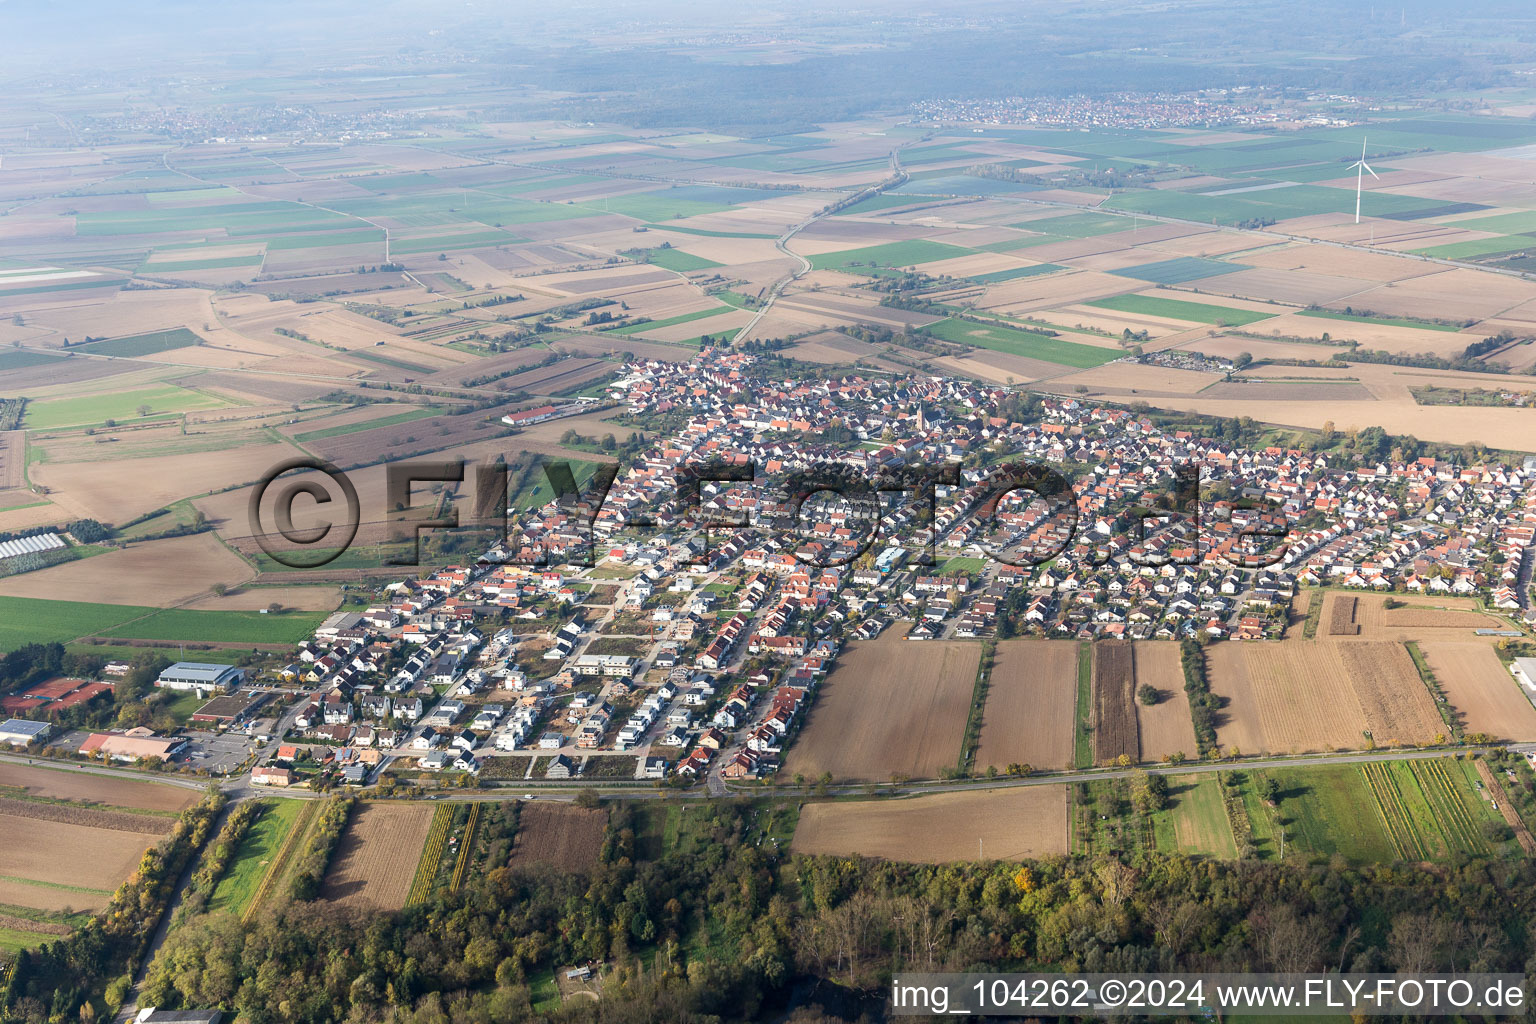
x,y
1506,809
280,862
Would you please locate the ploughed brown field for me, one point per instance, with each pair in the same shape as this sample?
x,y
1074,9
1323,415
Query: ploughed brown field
x,y
376,859
988,824
557,835
1031,699
64,854
1114,718
890,706
1302,695
63,784
1480,688
1164,728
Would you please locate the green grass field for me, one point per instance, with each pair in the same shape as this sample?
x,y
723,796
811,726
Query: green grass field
x,y
1178,309
142,344
1328,314
892,254
238,886
27,620
1017,342
220,263
16,359
88,410
383,421
1479,247
1015,273
1329,810
178,624
1082,738
651,325
676,259
1195,820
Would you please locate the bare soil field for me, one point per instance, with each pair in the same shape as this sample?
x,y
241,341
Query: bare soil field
x,y
1031,700
1139,378
1227,347
376,858
890,706
559,835
989,824
1455,295
1418,617
1481,689
1293,286
159,573
1298,695
1163,728
1249,390
90,787
1114,717
51,898
64,854
116,491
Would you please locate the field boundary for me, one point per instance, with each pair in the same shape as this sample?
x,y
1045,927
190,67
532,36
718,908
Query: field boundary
x,y
431,855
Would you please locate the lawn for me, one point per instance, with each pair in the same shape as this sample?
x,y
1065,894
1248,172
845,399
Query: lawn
x,y
892,254
123,406
1178,309
28,620
146,344
239,884
1030,344
1195,820
962,564
179,624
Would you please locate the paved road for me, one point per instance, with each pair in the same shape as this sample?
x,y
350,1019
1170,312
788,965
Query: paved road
x,y
898,176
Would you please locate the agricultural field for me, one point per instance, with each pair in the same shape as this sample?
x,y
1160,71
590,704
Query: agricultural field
x,y
994,824
1163,728
1271,691
1113,722
85,835
1367,616
1420,809
1031,700
559,835
376,859
1480,689
889,707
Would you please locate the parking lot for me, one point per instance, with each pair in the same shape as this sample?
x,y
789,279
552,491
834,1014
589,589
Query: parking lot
x,y
220,755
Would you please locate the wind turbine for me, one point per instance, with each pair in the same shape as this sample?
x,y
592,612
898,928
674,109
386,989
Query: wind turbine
x,y
1360,167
